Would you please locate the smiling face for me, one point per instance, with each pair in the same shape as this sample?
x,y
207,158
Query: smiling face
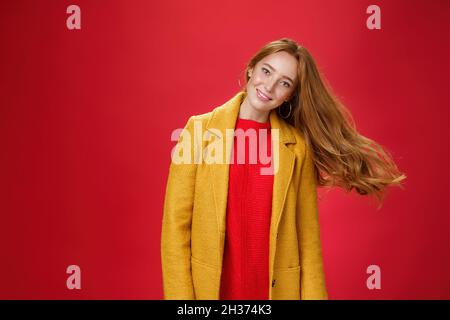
x,y
272,81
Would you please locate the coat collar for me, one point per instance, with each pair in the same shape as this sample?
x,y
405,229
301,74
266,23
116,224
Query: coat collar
x,y
224,117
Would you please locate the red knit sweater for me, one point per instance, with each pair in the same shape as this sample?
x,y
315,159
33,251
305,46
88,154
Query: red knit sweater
x,y
245,272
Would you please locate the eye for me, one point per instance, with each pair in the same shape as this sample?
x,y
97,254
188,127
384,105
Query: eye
x,y
264,70
286,84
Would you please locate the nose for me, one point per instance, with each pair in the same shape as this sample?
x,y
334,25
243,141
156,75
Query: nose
x,y
269,84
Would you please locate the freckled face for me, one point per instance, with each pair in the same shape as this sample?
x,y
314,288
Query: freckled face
x,y
272,81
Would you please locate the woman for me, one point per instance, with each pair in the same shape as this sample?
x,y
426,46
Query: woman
x,y
240,230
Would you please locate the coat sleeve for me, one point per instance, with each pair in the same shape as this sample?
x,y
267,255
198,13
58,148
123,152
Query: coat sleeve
x,y
312,283
176,222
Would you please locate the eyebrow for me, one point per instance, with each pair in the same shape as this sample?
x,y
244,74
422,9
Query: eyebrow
x,y
265,63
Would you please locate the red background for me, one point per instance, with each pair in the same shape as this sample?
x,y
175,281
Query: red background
x,y
86,117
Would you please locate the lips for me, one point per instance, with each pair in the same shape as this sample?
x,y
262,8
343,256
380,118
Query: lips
x,y
262,96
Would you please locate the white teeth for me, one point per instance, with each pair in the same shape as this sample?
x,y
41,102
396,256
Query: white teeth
x,y
263,95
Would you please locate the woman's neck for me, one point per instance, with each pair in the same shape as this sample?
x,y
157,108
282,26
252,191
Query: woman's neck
x,y
246,111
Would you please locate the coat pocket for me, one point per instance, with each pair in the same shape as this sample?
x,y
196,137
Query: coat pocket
x,y
205,280
286,284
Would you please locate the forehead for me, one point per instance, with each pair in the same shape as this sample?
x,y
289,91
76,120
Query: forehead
x,y
284,63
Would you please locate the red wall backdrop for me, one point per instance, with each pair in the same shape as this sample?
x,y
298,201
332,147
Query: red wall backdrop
x,y
86,117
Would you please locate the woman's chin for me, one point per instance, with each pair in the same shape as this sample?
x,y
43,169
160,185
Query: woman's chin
x,y
261,105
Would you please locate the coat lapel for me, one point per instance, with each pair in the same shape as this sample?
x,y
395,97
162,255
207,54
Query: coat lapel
x,y
224,117
283,176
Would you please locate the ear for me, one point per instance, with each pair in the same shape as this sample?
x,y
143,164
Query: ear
x,y
250,71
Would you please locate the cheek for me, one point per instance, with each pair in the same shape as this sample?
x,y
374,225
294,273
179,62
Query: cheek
x,y
256,79
281,96
285,93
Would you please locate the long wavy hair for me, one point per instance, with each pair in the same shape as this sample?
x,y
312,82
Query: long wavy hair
x,y
342,156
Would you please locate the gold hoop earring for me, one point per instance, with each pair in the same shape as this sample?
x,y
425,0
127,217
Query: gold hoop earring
x,y
288,115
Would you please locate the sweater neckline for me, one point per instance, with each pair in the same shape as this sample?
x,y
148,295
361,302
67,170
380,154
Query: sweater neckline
x,y
248,123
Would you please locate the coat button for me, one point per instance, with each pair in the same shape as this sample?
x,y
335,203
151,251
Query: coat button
x,y
273,283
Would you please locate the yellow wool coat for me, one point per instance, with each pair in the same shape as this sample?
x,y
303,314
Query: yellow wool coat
x,y
194,217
